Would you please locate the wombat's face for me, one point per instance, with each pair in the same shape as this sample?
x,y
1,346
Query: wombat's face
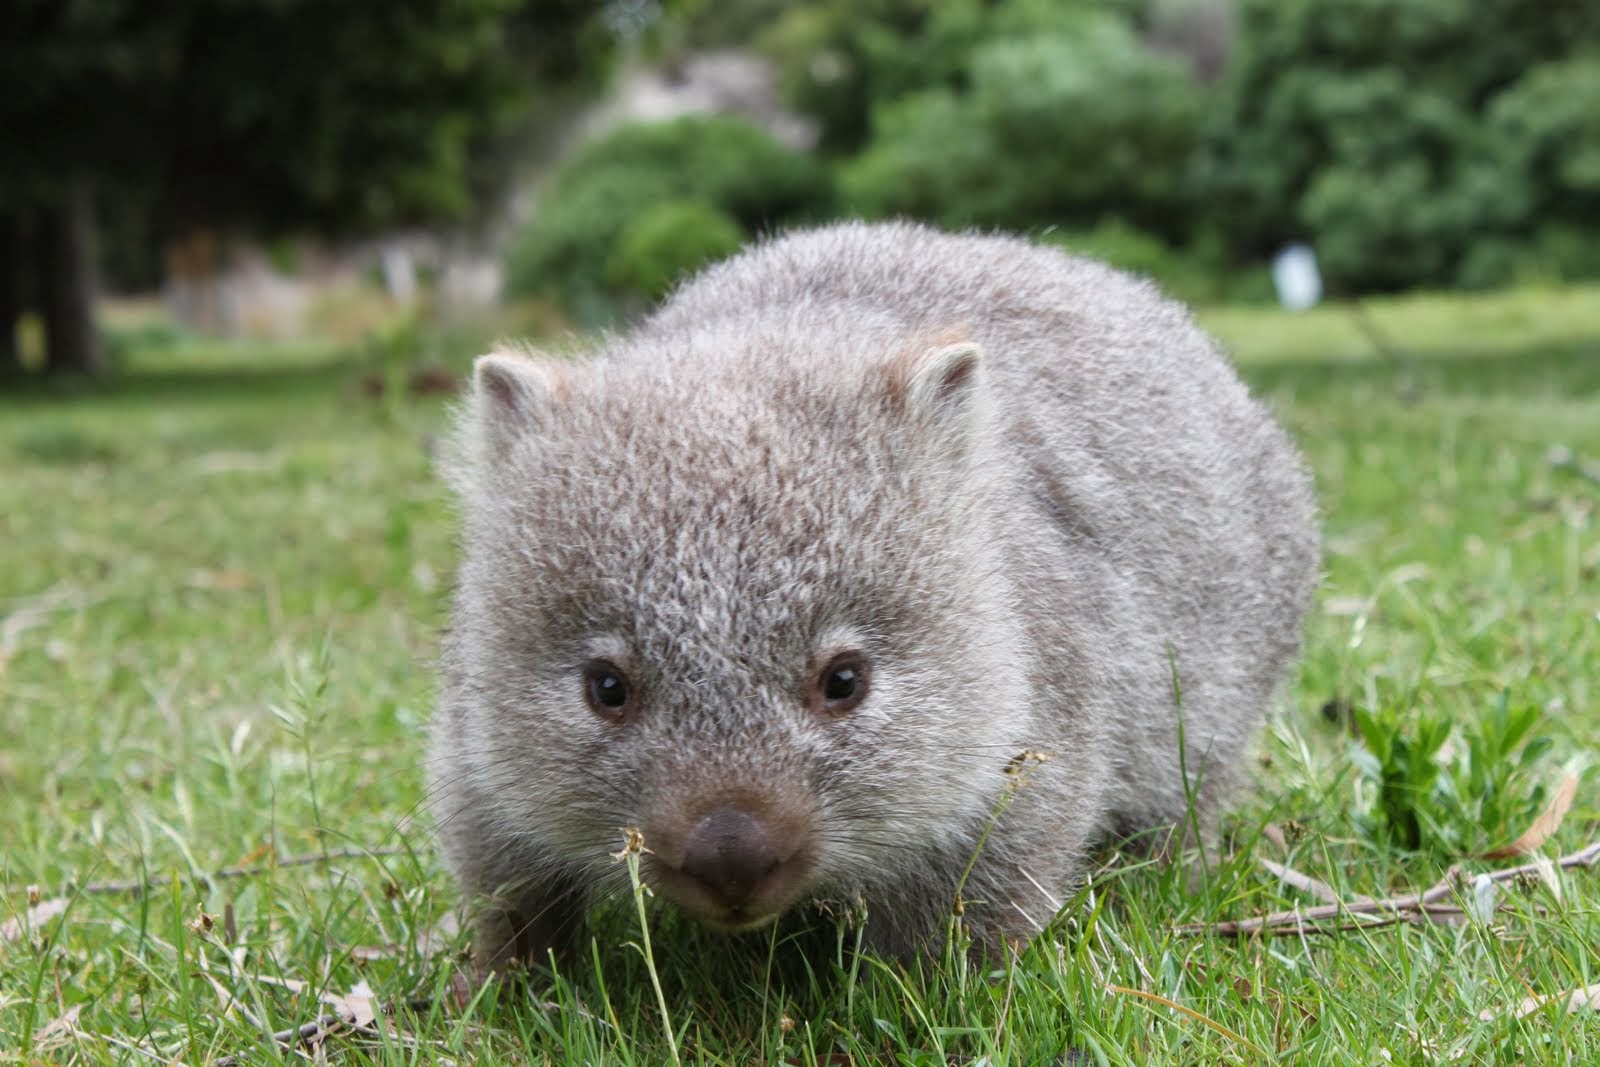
x,y
758,620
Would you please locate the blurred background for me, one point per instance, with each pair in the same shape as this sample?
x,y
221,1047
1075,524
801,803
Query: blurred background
x,y
371,174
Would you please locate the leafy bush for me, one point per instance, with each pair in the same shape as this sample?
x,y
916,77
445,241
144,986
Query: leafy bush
x,y
1434,142
1454,787
838,59
1547,124
667,242
1062,116
722,162
1408,145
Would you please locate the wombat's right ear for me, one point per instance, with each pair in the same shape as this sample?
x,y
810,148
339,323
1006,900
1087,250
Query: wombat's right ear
x,y
511,395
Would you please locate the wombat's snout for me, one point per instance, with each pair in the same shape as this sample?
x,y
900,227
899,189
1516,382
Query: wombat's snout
x,y
730,852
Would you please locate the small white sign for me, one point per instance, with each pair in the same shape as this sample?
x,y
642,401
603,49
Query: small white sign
x,y
1296,277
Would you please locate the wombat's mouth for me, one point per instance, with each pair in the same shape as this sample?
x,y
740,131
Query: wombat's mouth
x,y
737,922
734,909
734,863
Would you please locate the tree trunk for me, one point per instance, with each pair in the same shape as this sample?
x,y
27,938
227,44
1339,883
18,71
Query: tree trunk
x,y
10,292
68,286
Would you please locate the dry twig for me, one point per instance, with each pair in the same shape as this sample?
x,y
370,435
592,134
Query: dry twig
x,y
1430,906
306,1035
1303,882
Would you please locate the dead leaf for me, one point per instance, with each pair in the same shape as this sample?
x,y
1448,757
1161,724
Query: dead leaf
x,y
42,912
1548,822
256,855
1585,999
1431,1048
230,1003
359,1007
460,990
428,942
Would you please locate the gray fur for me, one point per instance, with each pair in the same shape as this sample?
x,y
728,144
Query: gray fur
x,y
1025,484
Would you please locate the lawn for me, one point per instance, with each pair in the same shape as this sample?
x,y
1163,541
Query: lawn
x,y
221,584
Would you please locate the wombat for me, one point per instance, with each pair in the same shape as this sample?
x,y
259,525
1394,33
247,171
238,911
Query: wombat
x,y
878,566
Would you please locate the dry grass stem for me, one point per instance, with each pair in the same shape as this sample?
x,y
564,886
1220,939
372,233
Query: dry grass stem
x,y
1430,906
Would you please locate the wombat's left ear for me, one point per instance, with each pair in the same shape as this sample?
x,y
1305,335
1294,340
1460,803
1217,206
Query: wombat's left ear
x,y
944,387
511,397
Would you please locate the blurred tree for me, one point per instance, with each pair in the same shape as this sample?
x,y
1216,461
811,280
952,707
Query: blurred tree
x,y
1547,124
1013,113
840,60
1065,118
670,240
78,99
11,252
1411,143
254,116
588,243
836,58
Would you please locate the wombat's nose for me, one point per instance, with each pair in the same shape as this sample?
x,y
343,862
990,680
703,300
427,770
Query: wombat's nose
x,y
729,852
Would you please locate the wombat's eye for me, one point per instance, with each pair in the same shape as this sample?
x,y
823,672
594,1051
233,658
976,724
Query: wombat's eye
x,y
606,689
842,685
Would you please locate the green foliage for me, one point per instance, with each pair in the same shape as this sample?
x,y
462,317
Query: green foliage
x,y
1452,786
667,242
1402,760
341,117
60,65
1019,114
1547,126
723,163
1404,142
1410,144
259,114
838,58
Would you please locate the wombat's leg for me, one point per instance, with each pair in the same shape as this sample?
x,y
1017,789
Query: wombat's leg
x,y
893,940
1193,841
521,929
914,928
988,943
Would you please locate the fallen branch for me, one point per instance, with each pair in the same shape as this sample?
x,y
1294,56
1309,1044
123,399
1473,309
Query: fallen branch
x,y
1303,882
1430,906
306,1035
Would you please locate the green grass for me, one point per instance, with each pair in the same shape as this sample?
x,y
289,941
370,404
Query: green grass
x,y
221,581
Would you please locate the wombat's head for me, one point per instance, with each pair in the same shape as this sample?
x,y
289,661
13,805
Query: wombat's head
x,y
754,607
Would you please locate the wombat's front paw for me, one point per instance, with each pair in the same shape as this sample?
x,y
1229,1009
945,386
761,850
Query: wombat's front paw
x,y
515,939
